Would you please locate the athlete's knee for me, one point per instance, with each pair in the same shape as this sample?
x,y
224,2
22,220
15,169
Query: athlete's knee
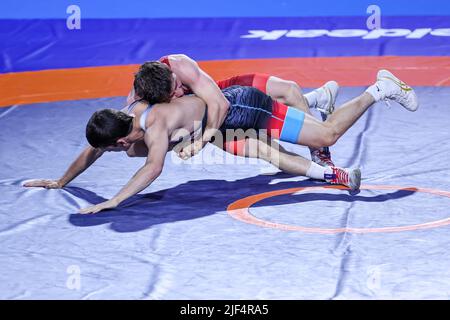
x,y
328,137
293,89
282,89
293,95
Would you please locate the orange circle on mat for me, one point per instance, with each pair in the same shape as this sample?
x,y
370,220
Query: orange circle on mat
x,y
240,211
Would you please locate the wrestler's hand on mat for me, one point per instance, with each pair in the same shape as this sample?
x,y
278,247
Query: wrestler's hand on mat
x,y
191,149
197,146
110,204
185,152
47,184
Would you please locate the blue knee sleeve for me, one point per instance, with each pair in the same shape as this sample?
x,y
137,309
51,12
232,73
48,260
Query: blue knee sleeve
x,y
292,126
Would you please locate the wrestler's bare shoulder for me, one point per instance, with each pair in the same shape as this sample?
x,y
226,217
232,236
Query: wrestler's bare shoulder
x,y
182,102
135,107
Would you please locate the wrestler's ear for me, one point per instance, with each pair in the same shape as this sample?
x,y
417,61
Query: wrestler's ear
x,y
123,142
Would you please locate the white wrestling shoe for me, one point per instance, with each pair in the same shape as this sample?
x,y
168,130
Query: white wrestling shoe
x,y
326,98
392,88
349,177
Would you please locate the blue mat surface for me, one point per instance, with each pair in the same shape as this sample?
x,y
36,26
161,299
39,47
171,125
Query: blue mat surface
x,y
175,240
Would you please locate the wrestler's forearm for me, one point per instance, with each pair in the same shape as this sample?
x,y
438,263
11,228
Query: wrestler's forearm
x,y
216,116
84,161
141,180
208,134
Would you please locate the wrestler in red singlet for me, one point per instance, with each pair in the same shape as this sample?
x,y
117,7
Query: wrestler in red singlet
x,y
256,80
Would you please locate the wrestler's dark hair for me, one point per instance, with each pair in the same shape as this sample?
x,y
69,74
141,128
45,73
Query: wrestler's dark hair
x,y
153,82
106,126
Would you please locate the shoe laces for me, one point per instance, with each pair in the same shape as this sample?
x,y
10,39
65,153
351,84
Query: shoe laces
x,y
340,176
402,96
324,156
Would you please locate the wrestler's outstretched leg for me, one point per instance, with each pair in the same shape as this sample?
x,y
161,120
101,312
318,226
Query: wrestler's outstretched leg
x,y
269,150
319,134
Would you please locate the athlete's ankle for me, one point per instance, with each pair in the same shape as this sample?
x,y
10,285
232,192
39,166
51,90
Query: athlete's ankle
x,y
376,90
311,98
318,172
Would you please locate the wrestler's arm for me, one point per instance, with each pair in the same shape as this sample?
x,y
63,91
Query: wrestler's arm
x,y
86,158
205,88
157,141
81,163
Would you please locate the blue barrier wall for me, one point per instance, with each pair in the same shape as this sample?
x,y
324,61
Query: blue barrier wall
x,y
30,9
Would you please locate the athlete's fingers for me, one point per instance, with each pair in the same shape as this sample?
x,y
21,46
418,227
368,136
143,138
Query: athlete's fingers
x,y
194,149
30,183
186,152
48,184
52,186
36,183
186,156
86,210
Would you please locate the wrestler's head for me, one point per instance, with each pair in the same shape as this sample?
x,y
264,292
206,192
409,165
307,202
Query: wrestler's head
x,y
110,130
156,83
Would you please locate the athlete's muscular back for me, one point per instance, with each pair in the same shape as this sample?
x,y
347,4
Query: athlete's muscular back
x,y
179,123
